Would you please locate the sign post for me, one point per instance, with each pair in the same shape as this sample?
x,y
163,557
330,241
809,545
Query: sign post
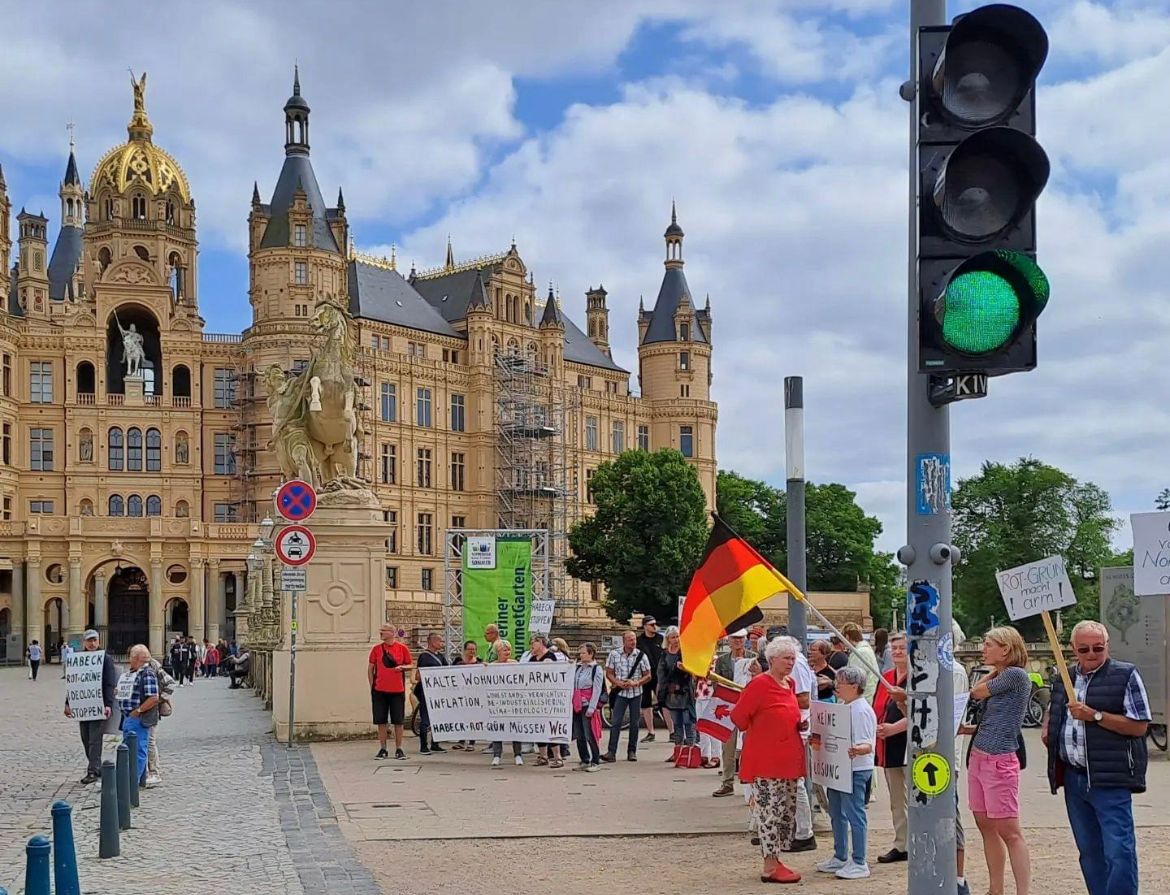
x,y
295,545
1037,588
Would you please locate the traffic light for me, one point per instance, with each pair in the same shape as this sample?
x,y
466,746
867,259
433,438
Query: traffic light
x,y
980,171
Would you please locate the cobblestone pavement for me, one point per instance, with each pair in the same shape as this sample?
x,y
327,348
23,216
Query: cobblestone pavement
x,y
235,809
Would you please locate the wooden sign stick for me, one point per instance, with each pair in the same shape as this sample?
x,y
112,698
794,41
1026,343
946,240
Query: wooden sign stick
x,y
1058,651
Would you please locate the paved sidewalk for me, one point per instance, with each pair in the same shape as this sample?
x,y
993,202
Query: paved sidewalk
x,y
235,808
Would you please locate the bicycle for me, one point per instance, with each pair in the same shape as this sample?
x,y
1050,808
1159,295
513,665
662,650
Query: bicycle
x,y
1157,735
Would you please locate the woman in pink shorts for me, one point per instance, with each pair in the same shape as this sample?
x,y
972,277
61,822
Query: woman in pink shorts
x,y
994,771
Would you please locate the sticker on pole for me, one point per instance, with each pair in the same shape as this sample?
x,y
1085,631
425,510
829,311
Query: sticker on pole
x,y
294,579
1036,587
295,545
931,774
296,500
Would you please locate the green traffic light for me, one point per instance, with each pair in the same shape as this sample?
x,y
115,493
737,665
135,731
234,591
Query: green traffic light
x,y
987,298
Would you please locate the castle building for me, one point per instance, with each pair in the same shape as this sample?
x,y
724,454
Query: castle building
x,y
135,460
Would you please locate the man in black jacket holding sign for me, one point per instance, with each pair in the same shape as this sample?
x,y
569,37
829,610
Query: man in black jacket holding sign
x,y
93,729
431,657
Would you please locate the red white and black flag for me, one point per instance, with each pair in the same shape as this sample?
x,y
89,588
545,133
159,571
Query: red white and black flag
x,y
715,718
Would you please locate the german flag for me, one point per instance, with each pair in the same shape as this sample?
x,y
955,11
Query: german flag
x,y
725,594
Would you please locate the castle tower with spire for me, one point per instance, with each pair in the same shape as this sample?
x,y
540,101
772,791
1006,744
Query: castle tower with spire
x,y
297,254
674,360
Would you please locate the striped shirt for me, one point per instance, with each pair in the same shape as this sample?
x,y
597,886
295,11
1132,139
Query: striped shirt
x,y
1137,708
130,694
1003,714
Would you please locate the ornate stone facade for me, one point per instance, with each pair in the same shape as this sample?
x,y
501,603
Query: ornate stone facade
x,y
130,503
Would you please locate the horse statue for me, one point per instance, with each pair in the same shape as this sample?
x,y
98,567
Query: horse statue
x,y
316,430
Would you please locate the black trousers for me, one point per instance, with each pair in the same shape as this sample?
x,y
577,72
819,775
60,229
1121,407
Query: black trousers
x,y
33,665
425,738
91,739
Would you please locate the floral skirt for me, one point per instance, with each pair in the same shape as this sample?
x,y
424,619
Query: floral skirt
x,y
775,813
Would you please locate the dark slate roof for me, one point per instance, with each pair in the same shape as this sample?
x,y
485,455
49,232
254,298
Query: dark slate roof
x,y
13,297
66,254
71,176
552,314
378,293
297,172
674,288
450,294
579,350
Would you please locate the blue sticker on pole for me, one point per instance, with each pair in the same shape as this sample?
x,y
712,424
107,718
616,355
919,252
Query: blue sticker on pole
x,y
932,484
923,602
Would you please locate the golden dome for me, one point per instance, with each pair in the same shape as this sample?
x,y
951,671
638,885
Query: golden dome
x,y
138,162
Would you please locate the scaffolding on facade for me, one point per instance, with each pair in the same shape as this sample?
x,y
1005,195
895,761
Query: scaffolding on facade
x,y
536,463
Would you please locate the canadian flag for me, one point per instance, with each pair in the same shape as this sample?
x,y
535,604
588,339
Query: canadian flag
x,y
715,718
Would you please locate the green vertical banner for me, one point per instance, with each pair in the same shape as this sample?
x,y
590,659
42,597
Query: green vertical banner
x,y
497,589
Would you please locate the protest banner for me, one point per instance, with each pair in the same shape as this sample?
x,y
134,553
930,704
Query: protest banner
x,y
1151,554
83,685
521,703
540,622
1137,633
497,589
1037,588
830,737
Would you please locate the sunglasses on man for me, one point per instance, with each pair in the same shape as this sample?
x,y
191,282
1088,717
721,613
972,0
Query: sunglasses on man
x,y
1096,649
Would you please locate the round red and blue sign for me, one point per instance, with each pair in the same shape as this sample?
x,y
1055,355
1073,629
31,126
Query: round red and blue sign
x,y
296,500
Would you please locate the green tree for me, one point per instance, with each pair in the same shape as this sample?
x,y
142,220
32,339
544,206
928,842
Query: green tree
x,y
839,536
1010,515
1162,501
647,536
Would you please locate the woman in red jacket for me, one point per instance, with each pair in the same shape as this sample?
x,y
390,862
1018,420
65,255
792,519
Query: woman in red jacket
x,y
891,746
773,755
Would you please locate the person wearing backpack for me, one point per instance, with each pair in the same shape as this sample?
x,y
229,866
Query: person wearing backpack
x,y
166,687
588,697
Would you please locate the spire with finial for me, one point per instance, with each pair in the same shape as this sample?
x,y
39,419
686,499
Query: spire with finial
x,y
450,253
3,184
674,239
413,271
296,119
255,192
140,128
393,256
72,193
552,313
340,200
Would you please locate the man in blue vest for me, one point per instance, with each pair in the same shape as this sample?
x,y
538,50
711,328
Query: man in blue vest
x,y
1097,751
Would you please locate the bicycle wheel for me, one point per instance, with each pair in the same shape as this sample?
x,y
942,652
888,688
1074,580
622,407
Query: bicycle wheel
x,y
1157,733
415,722
1035,712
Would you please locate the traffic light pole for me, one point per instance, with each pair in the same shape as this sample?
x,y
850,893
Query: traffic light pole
x,y
794,492
930,753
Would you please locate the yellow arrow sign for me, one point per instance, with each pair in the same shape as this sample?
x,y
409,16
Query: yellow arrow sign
x,y
931,773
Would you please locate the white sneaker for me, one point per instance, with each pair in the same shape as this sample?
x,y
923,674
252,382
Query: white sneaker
x,y
496,762
853,871
519,761
153,780
831,865
591,768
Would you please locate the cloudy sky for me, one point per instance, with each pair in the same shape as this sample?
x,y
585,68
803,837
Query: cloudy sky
x,y
775,124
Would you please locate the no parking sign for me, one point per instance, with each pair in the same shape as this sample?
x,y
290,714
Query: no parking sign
x,y
296,500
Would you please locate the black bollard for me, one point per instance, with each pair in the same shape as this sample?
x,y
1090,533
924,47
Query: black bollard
x,y
132,747
108,838
123,787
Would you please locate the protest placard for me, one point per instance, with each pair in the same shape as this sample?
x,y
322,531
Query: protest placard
x,y
521,703
1151,554
830,739
83,685
540,621
1037,588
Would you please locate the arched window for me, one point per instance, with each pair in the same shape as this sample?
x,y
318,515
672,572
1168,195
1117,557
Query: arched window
x,y
170,212
153,451
117,507
85,378
182,510
180,382
138,207
116,451
108,208
175,274
528,312
104,257
154,505
134,450
133,505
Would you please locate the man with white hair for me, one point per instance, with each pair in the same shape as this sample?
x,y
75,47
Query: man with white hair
x,y
1097,752
137,695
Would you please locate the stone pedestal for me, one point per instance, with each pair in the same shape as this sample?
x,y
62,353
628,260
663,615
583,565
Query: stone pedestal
x,y
135,390
338,620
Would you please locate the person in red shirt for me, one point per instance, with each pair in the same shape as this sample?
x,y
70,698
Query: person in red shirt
x,y
389,662
773,755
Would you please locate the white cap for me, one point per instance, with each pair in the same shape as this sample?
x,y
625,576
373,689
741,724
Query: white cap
x,y
742,632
